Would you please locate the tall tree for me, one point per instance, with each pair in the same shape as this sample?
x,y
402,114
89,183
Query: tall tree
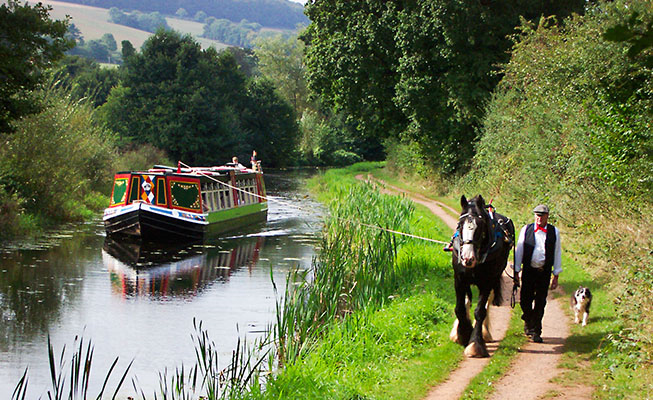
x,y
418,70
281,60
29,43
191,103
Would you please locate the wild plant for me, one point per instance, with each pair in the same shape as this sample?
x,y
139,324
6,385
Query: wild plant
x,y
356,268
75,385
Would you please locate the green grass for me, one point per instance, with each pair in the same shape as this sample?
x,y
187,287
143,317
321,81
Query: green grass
x,y
602,354
394,347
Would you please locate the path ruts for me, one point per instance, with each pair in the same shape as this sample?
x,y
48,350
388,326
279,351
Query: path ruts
x,y
531,374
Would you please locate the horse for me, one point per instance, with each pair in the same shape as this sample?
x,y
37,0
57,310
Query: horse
x,y
480,254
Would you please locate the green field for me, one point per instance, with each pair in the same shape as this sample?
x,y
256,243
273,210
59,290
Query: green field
x,y
93,22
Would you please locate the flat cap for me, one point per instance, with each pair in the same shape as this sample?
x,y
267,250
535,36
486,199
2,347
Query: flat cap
x,y
541,209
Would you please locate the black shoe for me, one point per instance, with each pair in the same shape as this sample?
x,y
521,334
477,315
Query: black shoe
x,y
537,338
528,331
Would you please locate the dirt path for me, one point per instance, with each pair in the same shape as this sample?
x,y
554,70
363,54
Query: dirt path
x,y
532,372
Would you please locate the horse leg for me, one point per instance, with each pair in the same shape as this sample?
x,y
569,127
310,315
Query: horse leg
x,y
463,325
454,330
476,346
487,334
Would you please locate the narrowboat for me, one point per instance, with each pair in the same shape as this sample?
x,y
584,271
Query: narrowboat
x,y
167,203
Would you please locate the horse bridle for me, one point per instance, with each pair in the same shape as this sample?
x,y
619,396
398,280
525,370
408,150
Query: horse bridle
x,y
472,241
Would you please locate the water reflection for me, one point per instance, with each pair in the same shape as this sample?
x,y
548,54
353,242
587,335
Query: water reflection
x,y
156,271
138,302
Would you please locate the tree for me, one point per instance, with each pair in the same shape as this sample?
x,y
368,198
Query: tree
x,y
195,104
109,41
281,61
271,124
29,43
182,13
128,49
417,70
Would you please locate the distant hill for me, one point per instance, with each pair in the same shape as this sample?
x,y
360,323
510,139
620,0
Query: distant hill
x,y
269,13
93,22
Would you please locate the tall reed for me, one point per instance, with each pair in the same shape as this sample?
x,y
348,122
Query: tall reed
x,y
356,268
206,380
75,385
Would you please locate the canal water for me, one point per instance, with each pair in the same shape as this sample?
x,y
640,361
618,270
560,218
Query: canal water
x,y
139,302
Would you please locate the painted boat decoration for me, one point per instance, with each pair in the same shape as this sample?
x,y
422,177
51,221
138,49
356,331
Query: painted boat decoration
x,y
167,203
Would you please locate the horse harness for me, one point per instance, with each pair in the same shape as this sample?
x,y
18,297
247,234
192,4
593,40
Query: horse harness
x,y
496,229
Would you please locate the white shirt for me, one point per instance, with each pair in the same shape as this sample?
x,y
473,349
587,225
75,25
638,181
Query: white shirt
x,y
539,252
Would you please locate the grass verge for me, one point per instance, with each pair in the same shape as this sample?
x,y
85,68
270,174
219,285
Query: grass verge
x,y
396,349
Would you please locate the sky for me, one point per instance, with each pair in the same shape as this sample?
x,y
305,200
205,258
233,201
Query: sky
x,y
299,1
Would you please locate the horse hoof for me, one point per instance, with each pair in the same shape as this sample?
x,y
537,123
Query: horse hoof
x,y
454,332
476,350
487,336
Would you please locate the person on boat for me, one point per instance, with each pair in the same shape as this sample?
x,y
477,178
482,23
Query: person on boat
x,y
253,160
236,164
538,251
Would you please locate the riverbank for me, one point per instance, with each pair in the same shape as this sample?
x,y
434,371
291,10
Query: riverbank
x,y
392,349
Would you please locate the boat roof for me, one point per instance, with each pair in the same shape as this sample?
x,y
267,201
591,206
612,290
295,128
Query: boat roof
x,y
207,171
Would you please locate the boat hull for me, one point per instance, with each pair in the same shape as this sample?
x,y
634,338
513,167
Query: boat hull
x,y
152,223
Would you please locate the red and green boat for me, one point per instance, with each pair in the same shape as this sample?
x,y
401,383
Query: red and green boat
x,y
167,203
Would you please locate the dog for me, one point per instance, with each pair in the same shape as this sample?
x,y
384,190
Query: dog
x,y
580,303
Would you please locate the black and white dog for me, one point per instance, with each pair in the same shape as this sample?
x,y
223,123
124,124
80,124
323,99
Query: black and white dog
x,y
580,303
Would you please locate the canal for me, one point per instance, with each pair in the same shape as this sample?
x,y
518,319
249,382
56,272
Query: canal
x,y
138,302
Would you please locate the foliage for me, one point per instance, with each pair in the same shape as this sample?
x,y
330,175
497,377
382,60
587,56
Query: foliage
x,y
85,78
196,105
75,385
418,70
269,13
30,43
101,50
326,141
236,34
55,158
637,33
149,22
280,59
569,125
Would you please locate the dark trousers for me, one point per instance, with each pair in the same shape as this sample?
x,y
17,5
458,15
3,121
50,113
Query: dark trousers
x,y
534,288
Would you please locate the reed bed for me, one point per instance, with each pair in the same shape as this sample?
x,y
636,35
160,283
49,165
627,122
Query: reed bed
x,y
355,268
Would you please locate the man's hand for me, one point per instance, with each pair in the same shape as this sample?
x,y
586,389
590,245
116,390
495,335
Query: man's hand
x,y
554,282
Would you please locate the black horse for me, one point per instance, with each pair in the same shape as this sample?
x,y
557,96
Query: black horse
x,y
480,253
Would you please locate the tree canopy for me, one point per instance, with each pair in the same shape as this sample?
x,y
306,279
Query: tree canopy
x,y
197,105
416,70
29,43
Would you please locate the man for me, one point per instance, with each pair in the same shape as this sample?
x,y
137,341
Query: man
x,y
538,250
236,164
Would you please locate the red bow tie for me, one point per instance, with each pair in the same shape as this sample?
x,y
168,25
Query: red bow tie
x,y
539,228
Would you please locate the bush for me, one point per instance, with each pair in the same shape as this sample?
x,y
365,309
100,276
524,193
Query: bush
x,y
56,158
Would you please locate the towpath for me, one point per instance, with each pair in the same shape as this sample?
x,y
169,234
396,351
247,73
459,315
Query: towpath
x,y
531,375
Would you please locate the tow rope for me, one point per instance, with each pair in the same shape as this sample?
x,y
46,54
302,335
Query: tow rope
x,y
301,209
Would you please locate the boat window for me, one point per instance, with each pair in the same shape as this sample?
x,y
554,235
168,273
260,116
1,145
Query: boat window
x,y
161,198
214,200
135,189
119,194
